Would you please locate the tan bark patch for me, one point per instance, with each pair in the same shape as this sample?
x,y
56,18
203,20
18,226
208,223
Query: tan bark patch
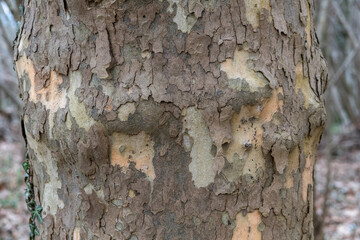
x,y
247,226
133,148
146,54
131,193
201,166
25,65
247,136
253,9
51,96
108,106
303,84
239,73
126,110
76,234
307,176
310,143
310,146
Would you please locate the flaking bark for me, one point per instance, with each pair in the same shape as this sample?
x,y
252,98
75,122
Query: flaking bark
x,y
172,119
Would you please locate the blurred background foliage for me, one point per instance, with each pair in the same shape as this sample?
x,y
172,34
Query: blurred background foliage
x,y
337,171
338,30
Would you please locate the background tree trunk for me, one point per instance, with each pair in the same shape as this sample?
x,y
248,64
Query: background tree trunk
x,y
172,119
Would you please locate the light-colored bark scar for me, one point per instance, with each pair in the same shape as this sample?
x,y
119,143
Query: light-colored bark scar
x,y
310,146
302,84
202,164
253,9
51,96
240,75
307,176
23,44
76,234
49,197
77,109
126,110
133,148
183,19
247,226
88,189
244,151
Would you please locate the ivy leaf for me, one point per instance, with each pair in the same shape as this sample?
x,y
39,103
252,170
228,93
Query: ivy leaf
x,y
37,215
26,165
38,210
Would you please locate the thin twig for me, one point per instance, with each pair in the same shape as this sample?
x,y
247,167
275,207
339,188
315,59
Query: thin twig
x,y
322,23
344,22
344,65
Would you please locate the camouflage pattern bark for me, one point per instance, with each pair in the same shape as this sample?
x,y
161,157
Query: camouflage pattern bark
x,y
172,119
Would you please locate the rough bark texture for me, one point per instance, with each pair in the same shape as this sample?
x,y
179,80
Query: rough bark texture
x,y
172,119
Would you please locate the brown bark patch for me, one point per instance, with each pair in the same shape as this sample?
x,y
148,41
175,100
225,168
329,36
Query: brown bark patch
x,y
293,165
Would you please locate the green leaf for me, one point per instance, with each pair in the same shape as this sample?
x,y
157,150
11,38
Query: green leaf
x,y
36,214
38,208
26,165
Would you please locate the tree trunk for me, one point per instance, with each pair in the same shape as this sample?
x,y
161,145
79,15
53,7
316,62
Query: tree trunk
x,y
172,119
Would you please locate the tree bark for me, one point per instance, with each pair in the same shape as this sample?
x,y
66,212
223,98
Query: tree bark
x,y
172,119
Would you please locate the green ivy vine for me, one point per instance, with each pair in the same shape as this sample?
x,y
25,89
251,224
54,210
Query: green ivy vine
x,y
34,209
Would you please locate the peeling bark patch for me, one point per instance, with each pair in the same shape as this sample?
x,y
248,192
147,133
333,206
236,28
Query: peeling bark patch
x,y
133,148
23,44
201,166
126,110
77,109
183,19
307,176
76,234
253,10
244,152
303,85
240,75
247,226
49,196
309,146
24,65
244,143
50,95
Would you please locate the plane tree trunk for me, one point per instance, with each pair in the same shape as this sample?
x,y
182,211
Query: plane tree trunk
x,y
172,119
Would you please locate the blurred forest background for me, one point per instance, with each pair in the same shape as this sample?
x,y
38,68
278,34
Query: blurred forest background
x,y
337,172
